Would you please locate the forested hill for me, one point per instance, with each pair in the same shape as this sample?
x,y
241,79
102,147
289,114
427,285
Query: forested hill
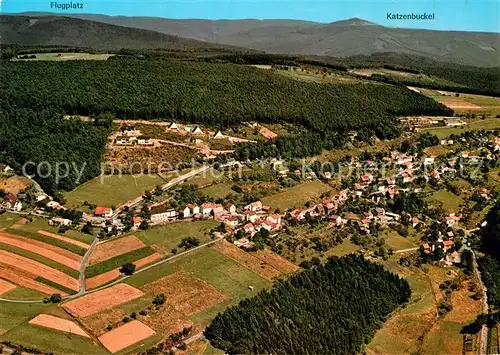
x,y
65,31
330,309
216,95
213,94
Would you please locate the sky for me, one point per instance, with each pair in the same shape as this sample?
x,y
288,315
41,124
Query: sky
x,y
465,15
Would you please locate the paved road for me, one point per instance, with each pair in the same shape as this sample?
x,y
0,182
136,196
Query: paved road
x,y
123,278
168,185
82,266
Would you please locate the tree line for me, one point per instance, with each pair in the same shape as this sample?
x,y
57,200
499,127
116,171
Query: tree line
x,y
333,308
489,264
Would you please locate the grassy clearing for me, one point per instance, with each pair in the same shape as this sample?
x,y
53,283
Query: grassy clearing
x,y
40,259
207,178
346,248
52,341
449,200
118,261
397,242
210,266
69,56
41,224
111,190
14,314
21,293
210,350
49,240
168,236
317,76
401,333
489,105
444,338
218,190
473,125
8,219
296,196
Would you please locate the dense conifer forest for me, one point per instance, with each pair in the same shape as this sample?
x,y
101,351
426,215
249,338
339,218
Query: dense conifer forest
x,y
467,79
217,95
490,263
42,139
327,309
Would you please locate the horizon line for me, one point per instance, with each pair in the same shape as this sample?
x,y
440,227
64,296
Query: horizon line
x,y
370,23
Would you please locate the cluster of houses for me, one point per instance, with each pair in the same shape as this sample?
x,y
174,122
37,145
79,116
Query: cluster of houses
x,y
11,203
428,121
446,244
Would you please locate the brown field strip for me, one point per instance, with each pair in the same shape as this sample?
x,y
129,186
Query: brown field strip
x,y
125,336
276,261
39,269
109,276
64,239
148,260
454,104
116,247
51,252
102,279
247,260
100,300
63,325
6,286
24,279
186,293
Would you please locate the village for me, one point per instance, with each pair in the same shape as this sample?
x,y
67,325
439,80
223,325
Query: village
x,y
372,184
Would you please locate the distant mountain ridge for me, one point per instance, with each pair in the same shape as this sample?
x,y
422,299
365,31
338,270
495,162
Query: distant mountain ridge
x,y
338,39
67,31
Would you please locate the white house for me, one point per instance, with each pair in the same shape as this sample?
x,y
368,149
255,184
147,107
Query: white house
x,y
218,135
197,130
254,206
10,202
231,221
57,221
274,218
231,208
251,216
137,222
164,216
173,126
145,141
125,140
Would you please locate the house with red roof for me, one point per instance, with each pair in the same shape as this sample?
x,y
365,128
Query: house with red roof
x,y
105,212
